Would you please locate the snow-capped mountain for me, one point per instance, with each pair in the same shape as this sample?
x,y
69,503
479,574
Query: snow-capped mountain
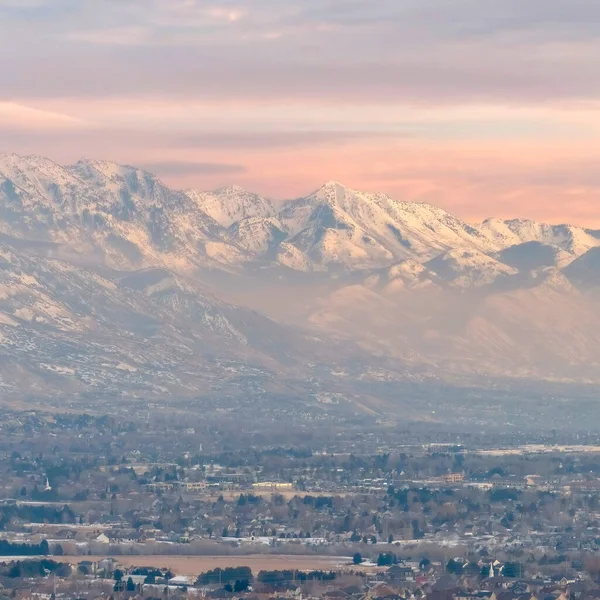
x,y
339,227
127,218
102,267
106,212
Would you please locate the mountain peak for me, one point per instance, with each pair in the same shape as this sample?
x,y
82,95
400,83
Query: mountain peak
x,y
32,160
232,189
105,168
334,183
228,205
330,190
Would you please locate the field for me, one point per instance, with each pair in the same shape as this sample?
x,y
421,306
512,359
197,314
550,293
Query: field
x,y
194,565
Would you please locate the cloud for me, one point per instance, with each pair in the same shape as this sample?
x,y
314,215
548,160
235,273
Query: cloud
x,y
425,51
229,14
174,168
116,36
22,4
16,117
456,76
274,140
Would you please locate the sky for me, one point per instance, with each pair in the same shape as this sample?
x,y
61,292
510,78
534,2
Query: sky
x,y
484,107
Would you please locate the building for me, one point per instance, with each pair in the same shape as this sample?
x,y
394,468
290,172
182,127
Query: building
x,y
454,478
160,486
273,485
194,486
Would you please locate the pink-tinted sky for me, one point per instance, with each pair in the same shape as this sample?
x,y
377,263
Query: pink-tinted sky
x,y
485,107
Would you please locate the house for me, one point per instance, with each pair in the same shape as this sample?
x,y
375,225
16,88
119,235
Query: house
x,y
194,486
102,538
454,478
273,485
108,565
399,573
181,581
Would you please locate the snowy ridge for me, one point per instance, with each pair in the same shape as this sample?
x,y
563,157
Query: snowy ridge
x,y
573,240
127,218
231,204
122,216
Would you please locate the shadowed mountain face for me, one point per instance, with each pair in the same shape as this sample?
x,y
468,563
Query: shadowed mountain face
x,y
530,256
585,271
113,283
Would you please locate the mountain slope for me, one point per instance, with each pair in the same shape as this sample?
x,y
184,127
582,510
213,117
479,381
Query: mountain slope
x,y
104,212
231,204
529,256
585,271
259,236
573,240
468,268
69,330
543,330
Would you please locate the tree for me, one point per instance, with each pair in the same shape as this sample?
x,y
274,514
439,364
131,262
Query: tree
x,y
118,575
58,550
385,560
512,569
241,585
357,559
130,585
44,548
454,567
225,532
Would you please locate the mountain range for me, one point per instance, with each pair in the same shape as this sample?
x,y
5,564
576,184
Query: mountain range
x,y
111,282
